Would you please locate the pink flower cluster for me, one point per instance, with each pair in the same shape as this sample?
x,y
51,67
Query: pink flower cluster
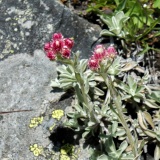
x,y
100,53
58,45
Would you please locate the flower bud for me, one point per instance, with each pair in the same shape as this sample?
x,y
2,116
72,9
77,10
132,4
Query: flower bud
x,y
93,63
56,45
51,55
47,46
65,52
57,36
111,51
68,42
99,52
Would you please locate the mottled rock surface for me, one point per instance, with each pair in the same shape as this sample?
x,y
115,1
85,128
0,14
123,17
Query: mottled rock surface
x,y
24,85
25,25
25,72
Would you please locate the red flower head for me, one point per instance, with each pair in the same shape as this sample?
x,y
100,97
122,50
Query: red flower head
x,y
51,55
47,46
56,45
111,52
99,52
93,63
65,52
68,42
57,36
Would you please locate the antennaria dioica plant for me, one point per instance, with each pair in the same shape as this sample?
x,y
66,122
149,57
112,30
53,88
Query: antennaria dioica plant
x,y
114,100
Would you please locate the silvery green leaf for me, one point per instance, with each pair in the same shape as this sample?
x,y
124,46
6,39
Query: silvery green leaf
x,y
127,157
157,152
139,69
86,83
91,124
55,83
70,69
98,78
141,145
124,97
107,21
83,65
78,108
116,31
109,145
67,76
128,66
155,95
71,114
148,118
92,83
66,80
120,132
106,32
123,146
124,87
140,89
61,69
150,103
85,134
141,120
115,23
130,81
78,93
66,85
150,133
120,15
98,91
137,99
72,123
123,20
113,71
114,127
103,157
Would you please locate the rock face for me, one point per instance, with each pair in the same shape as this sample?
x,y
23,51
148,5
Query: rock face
x,y
25,25
24,85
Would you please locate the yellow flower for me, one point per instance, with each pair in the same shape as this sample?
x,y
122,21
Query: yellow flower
x,y
37,150
34,122
57,114
64,157
40,120
63,151
31,148
51,128
36,153
67,149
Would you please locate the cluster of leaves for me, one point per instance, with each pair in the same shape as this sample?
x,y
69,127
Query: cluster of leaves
x,y
116,104
132,21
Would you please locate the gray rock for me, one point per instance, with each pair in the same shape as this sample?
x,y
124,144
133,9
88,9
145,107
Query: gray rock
x,y
25,25
24,85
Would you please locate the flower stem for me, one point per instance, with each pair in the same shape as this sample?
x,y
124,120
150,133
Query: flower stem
x,y
116,99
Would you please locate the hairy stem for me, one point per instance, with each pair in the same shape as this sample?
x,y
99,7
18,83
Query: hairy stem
x,y
120,113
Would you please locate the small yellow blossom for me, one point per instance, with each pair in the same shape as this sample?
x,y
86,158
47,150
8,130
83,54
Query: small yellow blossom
x,y
37,150
51,128
63,151
67,149
64,157
57,114
34,122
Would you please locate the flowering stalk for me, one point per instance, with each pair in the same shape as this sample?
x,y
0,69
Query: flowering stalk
x,y
120,114
97,63
60,49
